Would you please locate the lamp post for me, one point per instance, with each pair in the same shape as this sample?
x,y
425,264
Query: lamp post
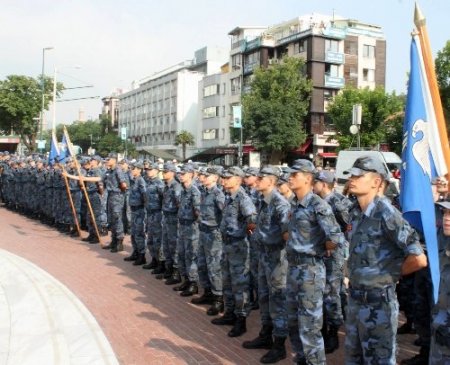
x,y
41,120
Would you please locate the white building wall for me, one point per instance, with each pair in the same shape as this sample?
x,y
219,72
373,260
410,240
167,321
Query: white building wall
x,y
365,62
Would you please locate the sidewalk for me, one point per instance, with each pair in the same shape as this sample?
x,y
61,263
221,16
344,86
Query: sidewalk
x,y
145,321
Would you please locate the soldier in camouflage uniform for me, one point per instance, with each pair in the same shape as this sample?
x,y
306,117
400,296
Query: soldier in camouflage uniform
x,y
40,175
75,192
334,264
271,235
123,164
155,189
238,219
383,246
188,234
115,182
313,234
210,242
138,202
170,204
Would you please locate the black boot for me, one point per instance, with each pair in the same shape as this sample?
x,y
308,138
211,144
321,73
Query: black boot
x,y
140,260
152,265
88,238
110,245
132,257
74,232
216,306
119,246
160,269
206,298
183,285
420,359
332,340
94,240
276,353
169,272
190,290
228,318
263,341
239,328
166,270
174,279
103,231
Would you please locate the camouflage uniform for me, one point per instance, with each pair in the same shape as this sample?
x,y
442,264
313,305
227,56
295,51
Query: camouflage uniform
x,y
40,191
95,198
272,222
211,245
380,239
312,224
188,234
238,211
137,202
155,188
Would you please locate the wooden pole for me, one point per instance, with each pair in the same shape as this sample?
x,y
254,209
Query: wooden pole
x,y
83,187
69,195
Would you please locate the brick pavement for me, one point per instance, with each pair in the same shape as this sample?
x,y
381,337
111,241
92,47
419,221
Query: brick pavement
x,y
145,321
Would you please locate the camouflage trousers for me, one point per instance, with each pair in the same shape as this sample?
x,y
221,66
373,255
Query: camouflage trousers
x,y
115,208
126,218
371,327
209,257
154,232
305,287
236,275
333,284
97,209
440,340
76,199
423,289
169,239
272,276
187,249
254,264
138,229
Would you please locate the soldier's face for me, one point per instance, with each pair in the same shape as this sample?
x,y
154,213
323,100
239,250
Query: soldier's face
x,y
111,163
364,184
300,181
168,175
284,189
136,172
446,222
152,172
250,180
318,187
264,183
186,177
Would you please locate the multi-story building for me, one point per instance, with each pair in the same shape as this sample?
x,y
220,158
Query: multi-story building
x,y
337,52
164,104
110,108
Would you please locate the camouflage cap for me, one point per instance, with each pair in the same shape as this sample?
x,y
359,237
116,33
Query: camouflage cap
x,y
187,168
213,170
251,171
301,165
283,179
366,164
169,166
233,171
123,162
269,170
152,166
112,155
137,165
325,176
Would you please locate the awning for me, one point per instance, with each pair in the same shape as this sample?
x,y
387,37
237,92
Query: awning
x,y
165,155
302,149
248,149
213,153
328,154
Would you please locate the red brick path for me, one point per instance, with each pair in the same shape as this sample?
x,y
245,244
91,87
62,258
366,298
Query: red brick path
x,y
145,321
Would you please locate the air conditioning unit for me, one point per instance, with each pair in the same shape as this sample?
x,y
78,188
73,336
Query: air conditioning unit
x,y
272,61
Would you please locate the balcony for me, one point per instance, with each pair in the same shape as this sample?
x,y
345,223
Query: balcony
x,y
248,68
334,82
334,57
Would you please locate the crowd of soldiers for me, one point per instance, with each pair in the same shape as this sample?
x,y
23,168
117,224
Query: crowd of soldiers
x,y
275,239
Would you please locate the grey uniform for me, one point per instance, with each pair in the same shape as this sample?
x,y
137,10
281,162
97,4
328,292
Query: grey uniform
x,y
211,245
96,202
312,224
238,211
155,189
272,222
137,202
380,239
112,180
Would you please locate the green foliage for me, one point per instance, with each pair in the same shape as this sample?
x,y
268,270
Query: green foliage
x,y
442,63
20,105
183,139
111,142
275,109
379,123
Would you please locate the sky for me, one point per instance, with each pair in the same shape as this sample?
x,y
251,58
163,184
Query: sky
x,y
110,43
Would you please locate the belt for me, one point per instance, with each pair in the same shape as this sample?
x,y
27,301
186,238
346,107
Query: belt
x,y
135,208
152,211
205,228
302,259
170,213
231,239
375,295
186,222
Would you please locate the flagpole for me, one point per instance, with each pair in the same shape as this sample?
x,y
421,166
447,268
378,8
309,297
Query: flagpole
x,y
82,186
420,22
69,195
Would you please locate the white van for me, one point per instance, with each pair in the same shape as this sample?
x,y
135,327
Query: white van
x,y
346,158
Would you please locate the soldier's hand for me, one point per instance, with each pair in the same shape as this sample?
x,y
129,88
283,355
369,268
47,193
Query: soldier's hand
x,y
100,190
251,227
123,186
330,245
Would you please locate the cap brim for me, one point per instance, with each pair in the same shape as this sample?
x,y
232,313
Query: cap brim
x,y
355,171
444,204
290,170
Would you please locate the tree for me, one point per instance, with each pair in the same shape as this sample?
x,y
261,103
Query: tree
x,y
111,142
21,103
275,109
183,139
377,107
442,63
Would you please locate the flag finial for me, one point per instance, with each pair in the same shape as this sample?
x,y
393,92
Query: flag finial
x,y
419,18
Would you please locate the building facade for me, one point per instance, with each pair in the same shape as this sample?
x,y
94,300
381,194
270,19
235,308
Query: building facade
x,y
110,108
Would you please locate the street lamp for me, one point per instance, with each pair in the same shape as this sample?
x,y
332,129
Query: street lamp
x,y
41,121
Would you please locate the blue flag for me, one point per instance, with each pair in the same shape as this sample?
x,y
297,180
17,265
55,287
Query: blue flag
x,y
64,149
54,150
419,163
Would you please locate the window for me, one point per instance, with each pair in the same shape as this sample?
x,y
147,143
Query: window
x,y
236,62
300,46
331,45
252,58
368,74
211,90
224,88
351,47
327,96
211,112
332,70
235,85
368,51
210,134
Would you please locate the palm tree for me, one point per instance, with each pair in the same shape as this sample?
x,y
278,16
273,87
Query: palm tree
x,y
184,138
